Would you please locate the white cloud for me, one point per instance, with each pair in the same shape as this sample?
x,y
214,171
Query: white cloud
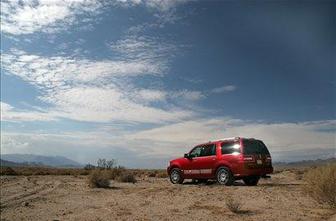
x,y
225,88
29,16
307,140
143,48
88,90
53,71
9,113
161,5
187,95
306,136
148,95
26,17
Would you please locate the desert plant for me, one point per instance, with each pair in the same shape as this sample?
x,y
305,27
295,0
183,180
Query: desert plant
x,y
152,174
7,171
106,164
89,167
117,172
127,177
233,204
161,174
99,179
321,184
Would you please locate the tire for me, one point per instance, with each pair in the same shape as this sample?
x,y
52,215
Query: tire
x,y
176,176
251,181
224,176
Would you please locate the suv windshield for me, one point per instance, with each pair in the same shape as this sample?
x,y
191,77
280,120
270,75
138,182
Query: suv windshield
x,y
254,147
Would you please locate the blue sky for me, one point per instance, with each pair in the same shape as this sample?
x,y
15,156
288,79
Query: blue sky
x,y
143,81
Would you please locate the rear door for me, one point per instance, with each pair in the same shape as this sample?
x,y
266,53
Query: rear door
x,y
256,154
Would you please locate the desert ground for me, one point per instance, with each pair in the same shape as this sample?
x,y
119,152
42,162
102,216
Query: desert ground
x,y
69,198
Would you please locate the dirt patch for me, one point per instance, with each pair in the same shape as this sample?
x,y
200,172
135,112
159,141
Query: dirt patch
x,y
152,198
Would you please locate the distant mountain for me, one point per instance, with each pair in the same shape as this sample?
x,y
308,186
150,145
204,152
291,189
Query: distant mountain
x,y
39,160
305,163
6,163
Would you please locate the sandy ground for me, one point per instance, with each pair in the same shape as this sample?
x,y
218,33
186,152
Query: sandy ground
x,y
70,198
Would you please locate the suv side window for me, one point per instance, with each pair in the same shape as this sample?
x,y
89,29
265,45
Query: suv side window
x,y
230,147
208,150
196,152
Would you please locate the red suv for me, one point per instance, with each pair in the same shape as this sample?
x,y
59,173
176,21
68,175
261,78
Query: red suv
x,y
225,160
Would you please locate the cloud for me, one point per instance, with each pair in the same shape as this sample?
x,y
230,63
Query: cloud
x,y
286,141
187,95
10,114
26,17
143,48
53,71
148,95
29,16
223,89
280,137
160,5
97,90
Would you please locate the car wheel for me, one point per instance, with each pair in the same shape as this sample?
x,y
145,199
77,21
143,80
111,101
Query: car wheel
x,y
224,176
176,176
251,181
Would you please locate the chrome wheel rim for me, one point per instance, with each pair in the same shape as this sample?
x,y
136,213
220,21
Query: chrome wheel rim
x,y
223,176
175,176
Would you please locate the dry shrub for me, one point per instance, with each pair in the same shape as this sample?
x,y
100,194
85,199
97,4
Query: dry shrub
x,y
161,174
117,172
99,178
127,177
7,171
321,184
152,174
234,205
29,171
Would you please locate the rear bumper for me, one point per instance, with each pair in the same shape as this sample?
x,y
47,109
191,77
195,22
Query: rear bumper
x,y
255,172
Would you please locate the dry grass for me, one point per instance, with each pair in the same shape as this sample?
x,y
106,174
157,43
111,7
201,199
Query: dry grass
x,y
321,184
127,177
233,204
100,178
31,171
7,171
162,174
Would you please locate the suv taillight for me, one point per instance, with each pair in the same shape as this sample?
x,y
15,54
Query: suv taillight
x,y
248,158
268,158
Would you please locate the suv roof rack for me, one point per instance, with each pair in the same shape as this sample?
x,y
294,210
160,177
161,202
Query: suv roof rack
x,y
230,138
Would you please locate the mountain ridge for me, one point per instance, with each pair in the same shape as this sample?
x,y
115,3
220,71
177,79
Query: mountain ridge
x,y
39,160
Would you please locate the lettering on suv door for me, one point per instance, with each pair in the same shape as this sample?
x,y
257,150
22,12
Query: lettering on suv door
x,y
203,160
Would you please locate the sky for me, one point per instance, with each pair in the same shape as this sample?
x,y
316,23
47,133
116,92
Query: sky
x,y
143,81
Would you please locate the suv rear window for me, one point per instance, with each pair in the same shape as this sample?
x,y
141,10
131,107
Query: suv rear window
x,y
254,147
